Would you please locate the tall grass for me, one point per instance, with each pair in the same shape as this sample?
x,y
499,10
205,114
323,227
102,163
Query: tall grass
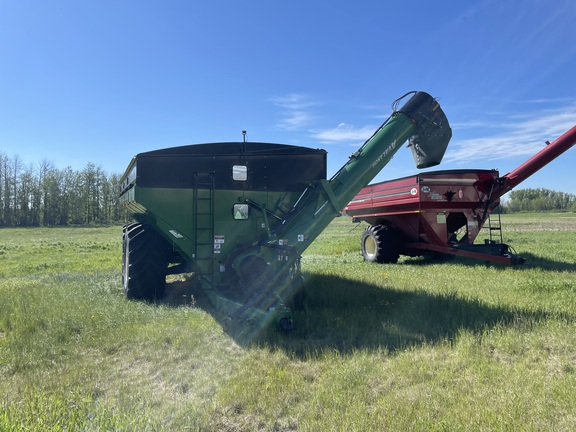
x,y
419,345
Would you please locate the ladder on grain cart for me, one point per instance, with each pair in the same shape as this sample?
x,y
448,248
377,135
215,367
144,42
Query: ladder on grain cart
x,y
494,223
495,227
203,215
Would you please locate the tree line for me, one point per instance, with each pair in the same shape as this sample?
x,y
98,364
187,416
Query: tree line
x,y
538,200
42,195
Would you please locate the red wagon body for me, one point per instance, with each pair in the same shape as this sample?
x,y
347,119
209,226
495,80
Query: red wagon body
x,y
442,212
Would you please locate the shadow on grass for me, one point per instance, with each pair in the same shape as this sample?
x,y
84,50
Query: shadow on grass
x,y
532,261
345,315
535,261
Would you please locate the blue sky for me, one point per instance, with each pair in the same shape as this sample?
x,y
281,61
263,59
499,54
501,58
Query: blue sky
x,y
99,81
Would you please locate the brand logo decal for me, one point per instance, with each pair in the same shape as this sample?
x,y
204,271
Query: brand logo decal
x,y
390,148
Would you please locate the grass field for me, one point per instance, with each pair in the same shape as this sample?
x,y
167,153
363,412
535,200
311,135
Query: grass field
x,y
420,345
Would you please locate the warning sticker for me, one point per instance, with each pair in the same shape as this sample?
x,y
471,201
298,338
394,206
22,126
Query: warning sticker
x,y
176,234
437,197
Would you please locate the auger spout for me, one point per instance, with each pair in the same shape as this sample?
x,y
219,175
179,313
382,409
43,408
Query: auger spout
x,y
420,121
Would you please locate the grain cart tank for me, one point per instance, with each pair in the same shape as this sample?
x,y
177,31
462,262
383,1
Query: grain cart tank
x,y
443,211
238,215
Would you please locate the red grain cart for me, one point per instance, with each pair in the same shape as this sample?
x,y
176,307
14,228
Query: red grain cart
x,y
442,212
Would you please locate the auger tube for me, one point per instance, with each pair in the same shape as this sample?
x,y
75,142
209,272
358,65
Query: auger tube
x,y
420,121
539,160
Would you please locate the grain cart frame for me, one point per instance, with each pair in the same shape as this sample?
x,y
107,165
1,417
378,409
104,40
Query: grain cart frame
x,y
442,212
239,215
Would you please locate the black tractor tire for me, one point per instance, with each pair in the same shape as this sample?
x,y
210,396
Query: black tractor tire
x,y
144,262
381,244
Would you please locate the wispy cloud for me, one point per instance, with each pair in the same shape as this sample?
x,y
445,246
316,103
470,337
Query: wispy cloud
x,y
293,101
296,111
520,135
495,136
344,133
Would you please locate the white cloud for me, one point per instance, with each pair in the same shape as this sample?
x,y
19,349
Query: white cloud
x,y
294,120
293,101
520,135
295,111
344,133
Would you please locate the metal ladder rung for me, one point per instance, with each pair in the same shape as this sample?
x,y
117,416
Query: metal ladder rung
x,y
495,225
204,222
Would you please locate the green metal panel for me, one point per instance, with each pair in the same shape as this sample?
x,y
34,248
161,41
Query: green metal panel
x,y
171,212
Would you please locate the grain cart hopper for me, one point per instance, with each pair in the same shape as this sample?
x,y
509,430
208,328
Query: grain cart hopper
x,y
239,214
442,212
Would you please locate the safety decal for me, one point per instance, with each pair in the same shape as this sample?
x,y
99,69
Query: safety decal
x,y
176,234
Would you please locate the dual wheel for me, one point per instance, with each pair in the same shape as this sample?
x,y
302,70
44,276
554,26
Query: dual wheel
x,y
381,244
145,256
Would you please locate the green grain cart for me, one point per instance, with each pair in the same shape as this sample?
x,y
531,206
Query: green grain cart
x,y
238,215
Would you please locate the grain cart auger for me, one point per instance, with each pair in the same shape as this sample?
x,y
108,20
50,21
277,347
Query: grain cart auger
x,y
239,214
442,212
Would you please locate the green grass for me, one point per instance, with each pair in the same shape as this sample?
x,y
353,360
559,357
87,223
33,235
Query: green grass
x,y
419,345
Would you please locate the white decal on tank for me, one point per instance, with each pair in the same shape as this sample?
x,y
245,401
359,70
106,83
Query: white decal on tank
x,y
176,234
384,153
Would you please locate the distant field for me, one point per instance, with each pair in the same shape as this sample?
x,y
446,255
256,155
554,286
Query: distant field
x,y
419,345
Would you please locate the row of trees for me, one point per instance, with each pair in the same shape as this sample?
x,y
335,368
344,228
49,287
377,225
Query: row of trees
x,y
42,195
538,200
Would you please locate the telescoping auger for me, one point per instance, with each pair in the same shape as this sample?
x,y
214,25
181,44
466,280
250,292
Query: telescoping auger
x,y
239,215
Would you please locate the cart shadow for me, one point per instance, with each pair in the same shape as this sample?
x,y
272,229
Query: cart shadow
x,y
344,316
531,261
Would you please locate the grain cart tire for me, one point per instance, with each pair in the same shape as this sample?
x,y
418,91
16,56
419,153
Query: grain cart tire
x,y
380,244
144,262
